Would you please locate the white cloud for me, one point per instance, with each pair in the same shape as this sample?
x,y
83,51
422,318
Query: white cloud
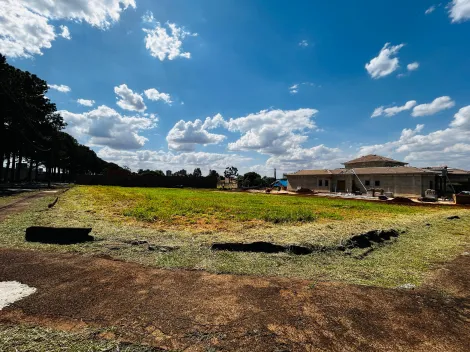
x,y
317,157
65,32
413,66
104,126
303,43
185,136
155,95
294,89
60,87
385,63
24,24
148,17
434,107
163,45
86,102
430,10
153,160
393,110
272,131
23,33
459,10
128,99
447,146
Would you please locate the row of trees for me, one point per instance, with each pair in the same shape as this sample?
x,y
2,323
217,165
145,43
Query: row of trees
x,y
31,132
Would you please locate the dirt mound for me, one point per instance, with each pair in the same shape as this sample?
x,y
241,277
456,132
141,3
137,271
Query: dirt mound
x,y
61,235
400,200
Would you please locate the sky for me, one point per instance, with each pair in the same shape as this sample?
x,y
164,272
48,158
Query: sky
x,y
172,84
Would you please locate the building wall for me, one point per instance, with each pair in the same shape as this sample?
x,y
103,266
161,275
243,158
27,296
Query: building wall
x,y
399,185
309,182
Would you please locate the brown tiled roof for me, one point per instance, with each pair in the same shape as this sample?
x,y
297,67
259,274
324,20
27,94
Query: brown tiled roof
x,y
402,170
372,157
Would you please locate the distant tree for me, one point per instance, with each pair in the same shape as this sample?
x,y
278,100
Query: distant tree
x,y
159,173
251,179
213,173
197,172
231,173
182,172
267,181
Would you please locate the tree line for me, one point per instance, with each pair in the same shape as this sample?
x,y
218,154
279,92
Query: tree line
x,y
31,132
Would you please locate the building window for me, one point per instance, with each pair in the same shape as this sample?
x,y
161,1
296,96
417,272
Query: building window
x,y
320,183
377,183
367,182
431,185
326,183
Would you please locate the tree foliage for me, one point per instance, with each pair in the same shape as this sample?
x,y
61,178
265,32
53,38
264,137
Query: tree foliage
x,y
31,132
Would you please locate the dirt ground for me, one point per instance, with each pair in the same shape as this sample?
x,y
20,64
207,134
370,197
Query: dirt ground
x,y
24,202
195,311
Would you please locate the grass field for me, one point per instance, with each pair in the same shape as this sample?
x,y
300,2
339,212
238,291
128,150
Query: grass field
x,y
191,220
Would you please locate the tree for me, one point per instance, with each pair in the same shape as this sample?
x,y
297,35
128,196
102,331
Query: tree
x,y
213,173
251,179
231,173
197,172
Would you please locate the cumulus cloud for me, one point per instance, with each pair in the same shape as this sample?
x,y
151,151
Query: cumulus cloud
x,y
86,102
430,10
317,157
185,136
151,159
434,107
272,131
163,45
128,99
24,24
60,87
459,10
391,111
413,66
447,146
385,63
65,32
148,17
104,126
155,95
303,43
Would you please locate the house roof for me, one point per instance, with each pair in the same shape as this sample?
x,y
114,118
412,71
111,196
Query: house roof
x,y
371,158
450,170
401,170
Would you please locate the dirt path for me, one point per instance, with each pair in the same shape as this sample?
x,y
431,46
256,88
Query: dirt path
x,y
193,310
24,202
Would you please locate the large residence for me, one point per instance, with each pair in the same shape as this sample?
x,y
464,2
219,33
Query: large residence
x,y
380,173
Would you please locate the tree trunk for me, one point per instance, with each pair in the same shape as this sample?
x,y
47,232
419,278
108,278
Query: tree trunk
x,y
36,173
7,168
12,174
30,171
18,168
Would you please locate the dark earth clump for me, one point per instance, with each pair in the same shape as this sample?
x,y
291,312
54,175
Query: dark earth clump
x,y
58,235
454,217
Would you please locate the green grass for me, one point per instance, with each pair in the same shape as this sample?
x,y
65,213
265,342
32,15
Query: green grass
x,y
418,249
212,208
23,338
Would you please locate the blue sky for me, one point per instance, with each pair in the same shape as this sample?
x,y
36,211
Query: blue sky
x,y
291,85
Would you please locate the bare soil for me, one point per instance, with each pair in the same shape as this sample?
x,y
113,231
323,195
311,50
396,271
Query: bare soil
x,y
198,311
23,203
